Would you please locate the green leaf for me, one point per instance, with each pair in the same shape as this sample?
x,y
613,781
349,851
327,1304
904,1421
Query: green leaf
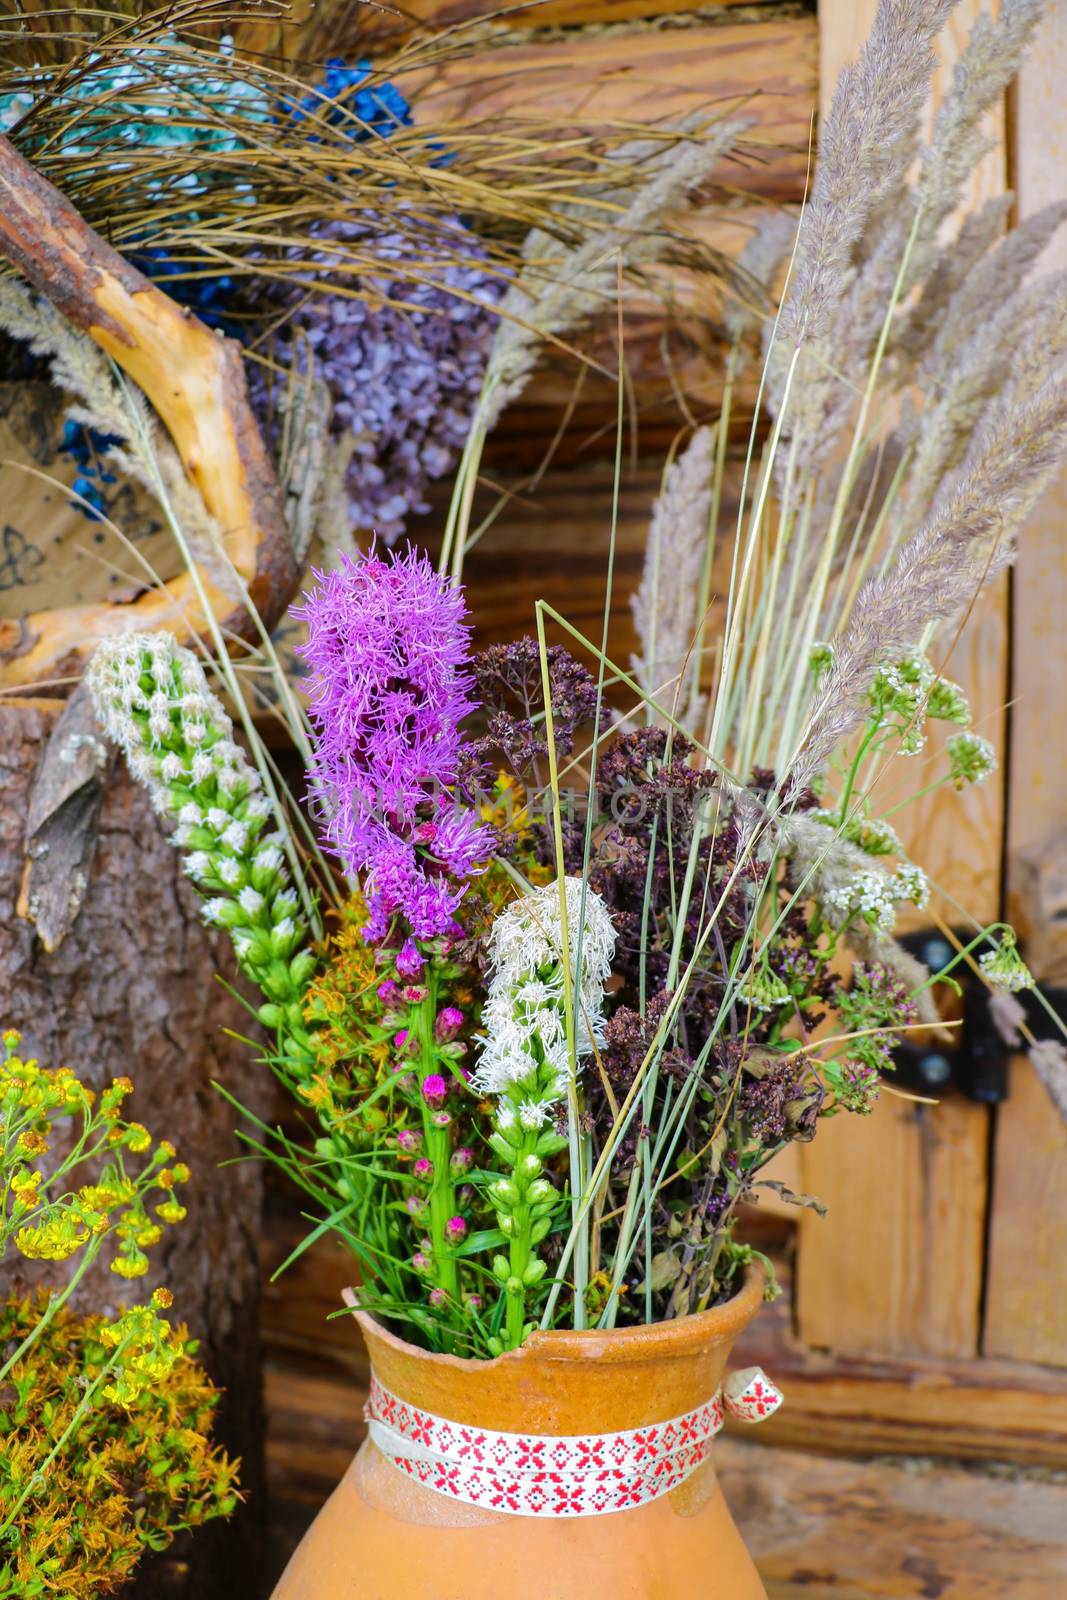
x,y
485,1239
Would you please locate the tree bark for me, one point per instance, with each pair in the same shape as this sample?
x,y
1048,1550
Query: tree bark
x,y
131,988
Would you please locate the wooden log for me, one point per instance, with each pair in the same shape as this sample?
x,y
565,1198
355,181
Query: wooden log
x,y
194,379
132,989
907,1192
1026,1304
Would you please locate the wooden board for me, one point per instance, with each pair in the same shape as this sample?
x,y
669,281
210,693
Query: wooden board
x,y
977,1410
552,543
1026,1308
763,70
673,355
835,1530
562,13
897,1266
51,553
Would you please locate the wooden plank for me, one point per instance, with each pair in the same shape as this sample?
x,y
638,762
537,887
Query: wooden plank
x,y
907,1193
766,70
552,543
836,1530
672,346
1026,1306
985,1410
560,13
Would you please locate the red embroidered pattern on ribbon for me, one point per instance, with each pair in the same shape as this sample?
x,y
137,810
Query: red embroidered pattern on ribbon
x,y
569,1475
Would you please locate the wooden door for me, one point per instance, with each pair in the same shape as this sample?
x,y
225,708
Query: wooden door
x,y
1026,1293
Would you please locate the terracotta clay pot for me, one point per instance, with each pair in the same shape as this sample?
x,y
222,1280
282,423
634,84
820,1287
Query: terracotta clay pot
x,y
384,1536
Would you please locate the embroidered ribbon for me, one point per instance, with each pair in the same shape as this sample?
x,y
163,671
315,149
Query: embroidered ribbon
x,y
564,1475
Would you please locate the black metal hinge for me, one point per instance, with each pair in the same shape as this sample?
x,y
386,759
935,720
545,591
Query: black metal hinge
x,y
975,1061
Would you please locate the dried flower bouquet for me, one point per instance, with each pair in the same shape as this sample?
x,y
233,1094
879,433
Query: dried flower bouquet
x,y
593,963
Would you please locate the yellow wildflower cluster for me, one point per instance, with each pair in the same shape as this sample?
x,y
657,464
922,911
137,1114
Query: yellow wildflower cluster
x,y
137,1464
48,1113
351,1039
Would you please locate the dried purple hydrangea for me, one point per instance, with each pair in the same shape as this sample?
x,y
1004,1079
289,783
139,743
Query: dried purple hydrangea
x,y
387,652
403,360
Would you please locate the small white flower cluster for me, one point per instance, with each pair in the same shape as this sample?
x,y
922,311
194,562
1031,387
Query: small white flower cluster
x,y
1004,968
972,758
873,835
875,895
903,687
913,691
155,702
525,1058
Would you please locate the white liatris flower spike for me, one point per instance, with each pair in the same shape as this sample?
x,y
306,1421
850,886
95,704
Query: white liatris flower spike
x,y
524,1015
154,700
526,1064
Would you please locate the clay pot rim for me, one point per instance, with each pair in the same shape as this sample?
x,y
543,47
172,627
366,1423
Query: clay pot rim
x,y
677,1338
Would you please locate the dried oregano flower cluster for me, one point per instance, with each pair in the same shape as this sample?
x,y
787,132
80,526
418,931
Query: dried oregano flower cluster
x,y
105,1436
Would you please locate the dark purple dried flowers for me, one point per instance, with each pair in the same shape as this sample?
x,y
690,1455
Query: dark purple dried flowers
x,y
387,650
508,678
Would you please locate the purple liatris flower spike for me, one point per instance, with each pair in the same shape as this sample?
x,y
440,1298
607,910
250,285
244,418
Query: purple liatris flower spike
x,y
387,650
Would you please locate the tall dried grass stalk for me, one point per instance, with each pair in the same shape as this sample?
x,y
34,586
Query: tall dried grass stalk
x,y
558,290
666,601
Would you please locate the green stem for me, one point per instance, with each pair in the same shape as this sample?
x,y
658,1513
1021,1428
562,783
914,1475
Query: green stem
x,y
919,794
438,1143
519,1254
873,729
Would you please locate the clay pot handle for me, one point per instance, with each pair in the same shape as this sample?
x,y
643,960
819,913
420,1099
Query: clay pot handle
x,y
750,1396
